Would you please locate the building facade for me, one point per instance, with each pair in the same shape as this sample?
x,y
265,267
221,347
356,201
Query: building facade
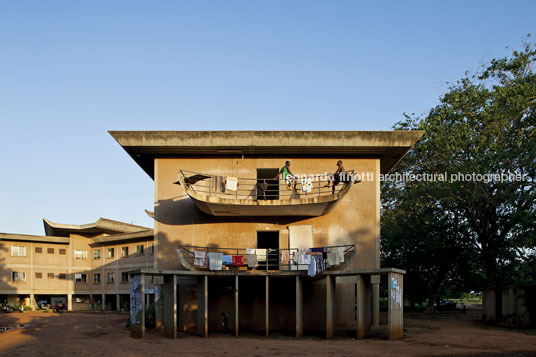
x,y
257,211
83,266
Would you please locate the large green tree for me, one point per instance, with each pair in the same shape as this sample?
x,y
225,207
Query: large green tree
x,y
469,233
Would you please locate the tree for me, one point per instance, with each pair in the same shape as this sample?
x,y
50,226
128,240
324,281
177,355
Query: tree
x,y
474,230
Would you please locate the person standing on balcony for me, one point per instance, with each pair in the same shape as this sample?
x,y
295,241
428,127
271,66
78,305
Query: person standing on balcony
x,y
288,176
337,177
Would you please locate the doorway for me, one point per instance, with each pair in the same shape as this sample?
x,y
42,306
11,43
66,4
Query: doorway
x,y
269,240
267,187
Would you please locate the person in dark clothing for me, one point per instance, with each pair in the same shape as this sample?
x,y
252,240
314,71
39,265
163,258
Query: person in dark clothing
x,y
337,177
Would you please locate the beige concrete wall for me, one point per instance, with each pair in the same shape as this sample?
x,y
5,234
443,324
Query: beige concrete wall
x,y
355,220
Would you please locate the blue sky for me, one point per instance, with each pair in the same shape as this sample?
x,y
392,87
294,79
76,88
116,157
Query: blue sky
x,y
72,70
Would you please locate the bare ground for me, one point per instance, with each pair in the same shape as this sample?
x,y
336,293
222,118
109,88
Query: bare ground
x,y
97,334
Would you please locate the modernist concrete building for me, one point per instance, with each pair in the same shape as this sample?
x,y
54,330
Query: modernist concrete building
x,y
216,192
84,266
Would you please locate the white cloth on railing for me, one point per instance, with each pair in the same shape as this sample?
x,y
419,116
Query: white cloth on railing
x,y
261,255
231,183
215,260
250,251
200,258
306,185
252,260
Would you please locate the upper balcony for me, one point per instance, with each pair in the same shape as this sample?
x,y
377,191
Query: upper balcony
x,y
262,196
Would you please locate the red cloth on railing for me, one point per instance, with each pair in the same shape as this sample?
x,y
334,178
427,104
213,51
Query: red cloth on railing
x,y
238,260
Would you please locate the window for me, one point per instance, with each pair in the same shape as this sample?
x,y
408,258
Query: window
x,y
50,275
80,278
50,250
62,276
18,276
96,253
111,278
152,249
124,277
18,251
110,253
124,252
80,254
38,275
139,249
96,278
62,251
38,250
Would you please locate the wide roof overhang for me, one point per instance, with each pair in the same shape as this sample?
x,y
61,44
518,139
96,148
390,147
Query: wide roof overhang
x,y
145,146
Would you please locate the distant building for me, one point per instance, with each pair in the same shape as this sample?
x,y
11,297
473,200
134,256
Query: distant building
x,y
216,194
84,266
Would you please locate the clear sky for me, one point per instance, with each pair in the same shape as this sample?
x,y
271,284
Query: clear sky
x,y
72,70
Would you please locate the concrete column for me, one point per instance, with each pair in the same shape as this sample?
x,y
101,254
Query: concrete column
x,y
395,306
103,306
330,305
69,302
267,306
170,306
159,302
91,302
375,282
363,306
117,302
32,301
137,306
202,306
299,307
236,308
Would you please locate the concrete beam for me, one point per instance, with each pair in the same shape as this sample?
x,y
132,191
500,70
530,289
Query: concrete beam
x,y
330,305
395,306
363,288
170,306
299,307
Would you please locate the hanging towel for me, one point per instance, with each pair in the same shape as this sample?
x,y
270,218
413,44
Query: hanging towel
x,y
227,260
252,260
238,260
306,185
200,258
333,259
261,255
285,257
215,260
311,271
250,251
231,184
318,260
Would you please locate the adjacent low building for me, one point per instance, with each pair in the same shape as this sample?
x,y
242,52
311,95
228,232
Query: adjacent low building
x,y
84,266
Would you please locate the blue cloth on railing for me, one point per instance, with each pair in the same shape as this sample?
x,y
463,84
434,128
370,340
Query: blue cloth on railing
x,y
311,271
319,250
227,260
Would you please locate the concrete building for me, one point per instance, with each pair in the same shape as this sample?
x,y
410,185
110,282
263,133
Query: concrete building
x,y
83,266
193,213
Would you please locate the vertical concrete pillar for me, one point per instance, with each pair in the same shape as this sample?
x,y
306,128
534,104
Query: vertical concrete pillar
x,y
103,306
363,290
32,301
117,302
69,302
395,306
236,307
159,301
137,306
375,283
267,306
170,306
202,306
299,307
330,305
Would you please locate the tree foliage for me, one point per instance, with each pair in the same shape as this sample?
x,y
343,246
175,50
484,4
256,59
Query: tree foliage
x,y
469,234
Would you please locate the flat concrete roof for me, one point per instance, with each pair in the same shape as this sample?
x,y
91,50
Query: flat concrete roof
x,y
124,236
32,238
102,225
145,146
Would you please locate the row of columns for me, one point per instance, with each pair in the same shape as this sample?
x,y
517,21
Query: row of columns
x,y
367,288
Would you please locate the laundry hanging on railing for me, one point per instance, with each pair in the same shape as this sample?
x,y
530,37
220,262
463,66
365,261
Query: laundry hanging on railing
x,y
238,260
261,255
231,184
215,261
252,260
200,258
227,260
306,185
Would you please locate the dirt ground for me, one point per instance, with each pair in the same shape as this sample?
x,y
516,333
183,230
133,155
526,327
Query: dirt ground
x,y
98,334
